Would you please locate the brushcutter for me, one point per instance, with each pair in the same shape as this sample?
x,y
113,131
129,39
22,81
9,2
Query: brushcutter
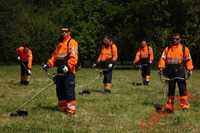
x,y
19,112
22,63
97,69
159,107
138,76
87,91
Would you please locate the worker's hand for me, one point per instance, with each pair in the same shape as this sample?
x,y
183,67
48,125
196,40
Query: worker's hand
x,y
110,65
97,64
150,62
18,58
64,69
45,67
29,71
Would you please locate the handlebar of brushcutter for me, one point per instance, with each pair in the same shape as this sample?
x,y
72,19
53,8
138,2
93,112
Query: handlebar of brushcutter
x,y
164,79
52,76
100,70
141,65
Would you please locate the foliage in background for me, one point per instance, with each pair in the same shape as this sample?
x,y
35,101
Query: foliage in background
x,y
38,23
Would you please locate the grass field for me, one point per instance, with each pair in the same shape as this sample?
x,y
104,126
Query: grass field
x,y
128,109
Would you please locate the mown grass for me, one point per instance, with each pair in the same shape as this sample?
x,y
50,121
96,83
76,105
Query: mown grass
x,y
119,112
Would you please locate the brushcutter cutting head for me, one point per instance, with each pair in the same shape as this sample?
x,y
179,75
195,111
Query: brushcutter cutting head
x,y
84,92
21,113
137,83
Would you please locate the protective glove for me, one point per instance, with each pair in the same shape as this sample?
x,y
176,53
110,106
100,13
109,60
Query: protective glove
x,y
29,72
110,65
150,62
65,69
18,58
45,67
98,64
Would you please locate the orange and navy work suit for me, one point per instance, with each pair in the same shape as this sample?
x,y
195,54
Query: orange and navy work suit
x,y
174,62
144,57
108,55
65,54
26,58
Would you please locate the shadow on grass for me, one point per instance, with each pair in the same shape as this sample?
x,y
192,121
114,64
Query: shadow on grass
x,y
86,92
49,108
11,82
136,83
148,103
196,104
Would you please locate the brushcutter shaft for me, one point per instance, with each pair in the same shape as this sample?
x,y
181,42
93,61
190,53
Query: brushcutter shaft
x,y
34,96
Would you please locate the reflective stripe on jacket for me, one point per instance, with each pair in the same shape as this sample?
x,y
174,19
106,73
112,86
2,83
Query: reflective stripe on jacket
x,y
174,55
67,51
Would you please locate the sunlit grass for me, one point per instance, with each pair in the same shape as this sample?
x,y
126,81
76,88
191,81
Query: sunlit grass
x,y
120,112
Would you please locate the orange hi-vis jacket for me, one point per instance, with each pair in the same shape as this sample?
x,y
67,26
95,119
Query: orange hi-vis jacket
x,y
144,53
108,53
25,55
67,50
174,55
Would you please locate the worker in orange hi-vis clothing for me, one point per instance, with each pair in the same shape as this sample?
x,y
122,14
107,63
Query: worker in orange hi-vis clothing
x,y
24,56
174,62
65,58
144,58
107,57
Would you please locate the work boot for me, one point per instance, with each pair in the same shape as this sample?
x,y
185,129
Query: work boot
x,y
26,83
62,105
22,82
184,104
169,106
107,87
71,107
146,80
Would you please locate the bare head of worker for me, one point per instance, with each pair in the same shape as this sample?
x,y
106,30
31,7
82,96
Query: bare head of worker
x,y
25,45
176,38
107,40
143,43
